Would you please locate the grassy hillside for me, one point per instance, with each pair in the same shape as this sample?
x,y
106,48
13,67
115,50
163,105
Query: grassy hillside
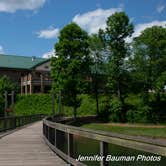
x,y
42,104
33,104
154,131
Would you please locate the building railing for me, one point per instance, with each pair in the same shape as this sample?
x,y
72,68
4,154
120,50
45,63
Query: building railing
x,y
9,123
44,81
37,81
52,136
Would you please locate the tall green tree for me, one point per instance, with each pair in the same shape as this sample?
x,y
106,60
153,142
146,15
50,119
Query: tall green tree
x,y
149,60
148,70
70,67
97,52
117,30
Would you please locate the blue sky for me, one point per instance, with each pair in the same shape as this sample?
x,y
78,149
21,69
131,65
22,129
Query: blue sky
x,y
31,27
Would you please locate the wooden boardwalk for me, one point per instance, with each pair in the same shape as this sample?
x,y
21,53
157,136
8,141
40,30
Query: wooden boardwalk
x,y
26,147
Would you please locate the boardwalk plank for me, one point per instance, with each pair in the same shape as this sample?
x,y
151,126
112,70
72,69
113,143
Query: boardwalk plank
x,y
26,147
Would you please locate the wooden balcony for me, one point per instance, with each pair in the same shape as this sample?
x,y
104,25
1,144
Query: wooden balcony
x,y
35,84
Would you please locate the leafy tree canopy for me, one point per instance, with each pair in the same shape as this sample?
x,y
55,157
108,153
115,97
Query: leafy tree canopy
x,y
71,66
117,30
149,60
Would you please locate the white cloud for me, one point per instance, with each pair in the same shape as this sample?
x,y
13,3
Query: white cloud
x,y
48,33
12,5
1,50
141,27
49,54
160,8
93,20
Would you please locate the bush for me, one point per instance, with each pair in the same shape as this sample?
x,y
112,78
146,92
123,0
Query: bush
x,y
157,104
88,105
33,104
115,109
110,109
150,108
104,108
138,111
42,104
6,85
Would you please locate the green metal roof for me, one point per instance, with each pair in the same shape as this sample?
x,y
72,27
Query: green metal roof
x,y
19,62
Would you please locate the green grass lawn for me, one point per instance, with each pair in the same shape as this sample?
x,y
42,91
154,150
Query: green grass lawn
x,y
137,130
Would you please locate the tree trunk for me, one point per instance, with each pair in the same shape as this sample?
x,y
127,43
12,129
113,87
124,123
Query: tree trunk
x,y
75,113
123,111
97,104
75,107
118,90
96,95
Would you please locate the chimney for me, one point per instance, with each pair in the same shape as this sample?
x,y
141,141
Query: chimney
x,y
33,58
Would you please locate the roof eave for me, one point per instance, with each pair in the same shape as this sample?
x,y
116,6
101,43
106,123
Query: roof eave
x,y
33,67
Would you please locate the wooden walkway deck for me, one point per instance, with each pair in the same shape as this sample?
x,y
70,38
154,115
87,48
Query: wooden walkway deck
x,y
26,147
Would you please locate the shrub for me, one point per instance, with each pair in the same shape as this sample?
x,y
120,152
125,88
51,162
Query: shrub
x,y
157,104
88,105
5,85
110,109
104,108
115,109
33,104
138,110
42,104
150,108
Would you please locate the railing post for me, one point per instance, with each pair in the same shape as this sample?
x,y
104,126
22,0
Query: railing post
x,y
13,114
5,113
19,121
60,103
103,152
70,144
48,133
11,122
43,129
55,138
16,121
53,104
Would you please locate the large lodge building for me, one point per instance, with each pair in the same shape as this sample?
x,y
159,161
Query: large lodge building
x,y
32,74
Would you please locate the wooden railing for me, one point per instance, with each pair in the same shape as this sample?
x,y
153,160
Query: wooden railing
x,y
17,121
45,82
51,137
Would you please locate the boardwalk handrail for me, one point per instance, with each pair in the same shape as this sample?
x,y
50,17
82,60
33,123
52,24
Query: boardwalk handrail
x,y
16,121
133,142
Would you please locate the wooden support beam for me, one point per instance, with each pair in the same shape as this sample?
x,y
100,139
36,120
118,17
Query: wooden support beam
x,y
55,143
5,113
6,104
13,114
60,103
26,89
70,144
48,133
12,102
30,79
21,85
103,153
41,84
53,103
